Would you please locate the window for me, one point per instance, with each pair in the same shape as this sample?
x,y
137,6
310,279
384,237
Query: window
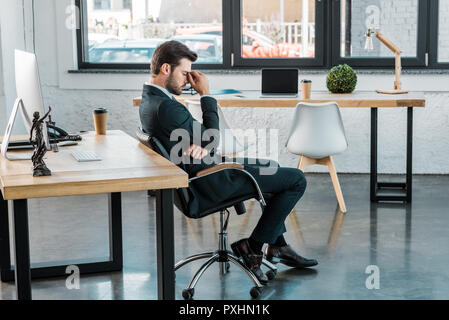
x,y
397,20
278,32
443,32
127,4
102,4
127,35
271,33
438,34
402,22
278,29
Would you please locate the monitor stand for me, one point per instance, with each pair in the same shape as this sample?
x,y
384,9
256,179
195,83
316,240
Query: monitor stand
x,y
12,118
4,148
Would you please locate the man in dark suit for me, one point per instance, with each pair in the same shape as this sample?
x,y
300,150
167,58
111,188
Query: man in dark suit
x,y
168,120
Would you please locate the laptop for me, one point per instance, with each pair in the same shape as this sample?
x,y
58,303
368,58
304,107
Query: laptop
x,y
282,83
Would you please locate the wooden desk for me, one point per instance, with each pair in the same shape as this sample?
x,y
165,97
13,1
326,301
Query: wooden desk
x,y
127,165
358,99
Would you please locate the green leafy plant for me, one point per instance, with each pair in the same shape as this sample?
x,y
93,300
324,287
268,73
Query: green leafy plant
x,y
341,79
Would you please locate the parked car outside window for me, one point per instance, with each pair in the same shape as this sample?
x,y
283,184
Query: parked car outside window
x,y
124,51
208,47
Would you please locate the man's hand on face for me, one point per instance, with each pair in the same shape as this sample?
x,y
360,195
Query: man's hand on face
x,y
196,152
199,82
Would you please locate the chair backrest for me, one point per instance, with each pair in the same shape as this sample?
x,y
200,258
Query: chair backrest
x,y
195,109
229,144
181,195
317,130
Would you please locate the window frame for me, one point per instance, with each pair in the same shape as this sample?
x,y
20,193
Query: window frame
x,y
327,43
380,62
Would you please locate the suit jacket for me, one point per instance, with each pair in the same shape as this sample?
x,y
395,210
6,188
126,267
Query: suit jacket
x,y
160,116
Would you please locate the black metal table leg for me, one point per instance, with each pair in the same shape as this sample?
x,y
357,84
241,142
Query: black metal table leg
x,y
165,245
409,153
5,255
151,193
22,250
58,268
373,171
399,191
115,231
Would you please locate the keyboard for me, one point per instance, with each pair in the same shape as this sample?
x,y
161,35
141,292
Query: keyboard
x,y
85,156
19,156
20,147
16,144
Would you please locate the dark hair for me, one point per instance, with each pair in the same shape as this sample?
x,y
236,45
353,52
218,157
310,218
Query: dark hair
x,y
170,52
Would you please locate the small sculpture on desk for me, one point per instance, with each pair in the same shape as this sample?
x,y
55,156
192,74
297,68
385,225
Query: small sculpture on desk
x,y
39,167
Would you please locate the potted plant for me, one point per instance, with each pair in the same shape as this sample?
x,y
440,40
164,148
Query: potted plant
x,y
341,79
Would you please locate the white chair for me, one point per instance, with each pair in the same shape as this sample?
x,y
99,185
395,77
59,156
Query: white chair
x,y
317,133
229,145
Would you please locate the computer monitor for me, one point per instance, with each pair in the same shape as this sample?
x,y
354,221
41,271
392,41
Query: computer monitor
x,y
28,86
29,99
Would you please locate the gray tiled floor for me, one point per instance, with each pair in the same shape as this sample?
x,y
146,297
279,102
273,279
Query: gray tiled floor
x,y
409,244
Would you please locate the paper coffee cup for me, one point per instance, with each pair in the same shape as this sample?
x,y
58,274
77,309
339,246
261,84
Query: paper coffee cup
x,y
306,88
100,120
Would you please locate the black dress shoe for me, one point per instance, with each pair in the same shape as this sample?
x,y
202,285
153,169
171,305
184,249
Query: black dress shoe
x,y
251,259
286,255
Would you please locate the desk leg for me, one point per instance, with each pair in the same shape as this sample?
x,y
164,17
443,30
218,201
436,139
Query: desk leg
x,y
165,245
409,153
115,231
5,254
396,191
58,268
373,170
22,250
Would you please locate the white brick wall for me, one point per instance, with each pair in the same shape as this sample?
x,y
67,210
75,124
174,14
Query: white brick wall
x,y
73,109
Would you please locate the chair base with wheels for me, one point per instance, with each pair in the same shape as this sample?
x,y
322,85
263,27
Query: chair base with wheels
x,y
224,257
329,162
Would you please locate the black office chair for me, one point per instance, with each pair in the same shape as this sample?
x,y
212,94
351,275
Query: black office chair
x,y
223,256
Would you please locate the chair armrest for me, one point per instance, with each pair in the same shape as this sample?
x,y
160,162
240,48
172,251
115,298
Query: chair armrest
x,y
224,165
143,137
230,166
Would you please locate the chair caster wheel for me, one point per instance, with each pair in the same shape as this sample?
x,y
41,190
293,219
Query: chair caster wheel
x,y
187,294
228,266
271,274
255,292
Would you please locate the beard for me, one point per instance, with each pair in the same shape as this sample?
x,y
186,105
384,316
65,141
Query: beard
x,y
172,87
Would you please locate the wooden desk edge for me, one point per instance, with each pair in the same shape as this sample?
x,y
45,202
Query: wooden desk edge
x,y
386,103
85,187
164,180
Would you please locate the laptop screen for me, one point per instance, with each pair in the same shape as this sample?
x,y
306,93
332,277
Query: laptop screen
x,y
283,81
